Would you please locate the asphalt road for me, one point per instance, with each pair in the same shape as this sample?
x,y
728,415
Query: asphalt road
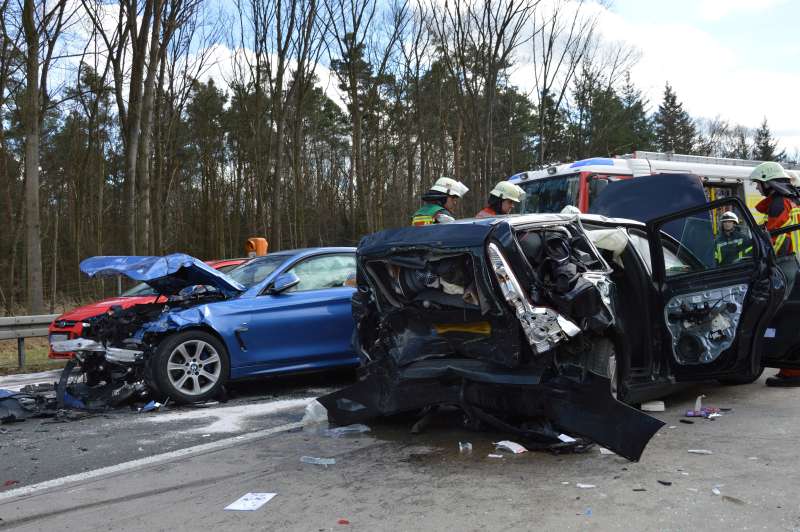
x,y
388,479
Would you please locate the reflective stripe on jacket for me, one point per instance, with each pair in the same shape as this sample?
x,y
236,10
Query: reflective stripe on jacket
x,y
426,215
732,247
781,212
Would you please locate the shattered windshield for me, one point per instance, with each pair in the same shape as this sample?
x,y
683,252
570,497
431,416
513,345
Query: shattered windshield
x,y
255,271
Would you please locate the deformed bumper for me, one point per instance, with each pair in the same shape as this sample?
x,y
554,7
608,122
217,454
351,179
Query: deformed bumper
x,y
508,400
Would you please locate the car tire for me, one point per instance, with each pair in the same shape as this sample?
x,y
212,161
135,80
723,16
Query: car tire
x,y
749,378
190,367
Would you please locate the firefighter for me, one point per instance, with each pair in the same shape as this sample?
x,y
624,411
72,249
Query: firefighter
x,y
780,204
440,202
502,199
731,244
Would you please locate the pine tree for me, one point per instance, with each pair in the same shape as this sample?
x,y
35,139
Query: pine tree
x,y
674,129
765,146
636,122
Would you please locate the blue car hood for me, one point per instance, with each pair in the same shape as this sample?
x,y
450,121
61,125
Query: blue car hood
x,y
168,275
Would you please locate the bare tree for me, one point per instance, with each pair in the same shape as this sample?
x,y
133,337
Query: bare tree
x,y
40,34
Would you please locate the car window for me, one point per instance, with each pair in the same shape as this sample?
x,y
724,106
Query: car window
x,y
550,194
327,271
672,261
226,269
253,272
707,240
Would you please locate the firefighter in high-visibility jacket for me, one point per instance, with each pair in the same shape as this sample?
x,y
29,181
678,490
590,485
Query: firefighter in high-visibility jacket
x,y
440,202
502,200
781,205
731,244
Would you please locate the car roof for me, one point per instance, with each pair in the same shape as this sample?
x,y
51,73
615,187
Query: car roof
x,y
522,219
303,252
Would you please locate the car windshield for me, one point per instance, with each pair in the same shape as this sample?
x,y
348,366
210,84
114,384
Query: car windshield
x,y
255,271
141,289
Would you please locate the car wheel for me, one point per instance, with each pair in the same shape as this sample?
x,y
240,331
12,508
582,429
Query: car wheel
x,y
190,366
741,379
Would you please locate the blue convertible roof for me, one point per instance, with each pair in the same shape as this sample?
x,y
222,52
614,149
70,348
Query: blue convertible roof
x,y
168,275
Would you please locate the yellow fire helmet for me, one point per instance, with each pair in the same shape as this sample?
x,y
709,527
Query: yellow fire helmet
x,y
768,171
508,190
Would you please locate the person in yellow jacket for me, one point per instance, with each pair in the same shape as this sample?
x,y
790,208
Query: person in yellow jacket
x,y
780,204
440,202
502,200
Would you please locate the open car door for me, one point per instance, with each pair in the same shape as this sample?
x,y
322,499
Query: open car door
x,y
781,339
718,286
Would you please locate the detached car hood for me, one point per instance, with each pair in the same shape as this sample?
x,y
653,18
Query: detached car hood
x,y
168,275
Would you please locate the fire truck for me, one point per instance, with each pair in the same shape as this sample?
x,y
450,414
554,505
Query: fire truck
x,y
579,182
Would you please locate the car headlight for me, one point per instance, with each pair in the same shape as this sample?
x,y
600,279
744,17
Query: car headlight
x,y
543,326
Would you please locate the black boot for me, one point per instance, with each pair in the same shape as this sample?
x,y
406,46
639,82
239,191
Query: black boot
x,y
779,381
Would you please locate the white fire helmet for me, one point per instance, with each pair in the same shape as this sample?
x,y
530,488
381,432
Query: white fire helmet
x,y
508,190
450,186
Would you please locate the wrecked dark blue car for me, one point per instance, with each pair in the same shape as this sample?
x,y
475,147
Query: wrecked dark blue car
x,y
540,324
286,312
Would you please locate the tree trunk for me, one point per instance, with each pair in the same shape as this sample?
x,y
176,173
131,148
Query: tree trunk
x,y
33,243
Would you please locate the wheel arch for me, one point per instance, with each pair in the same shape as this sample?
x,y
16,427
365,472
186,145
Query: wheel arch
x,y
205,329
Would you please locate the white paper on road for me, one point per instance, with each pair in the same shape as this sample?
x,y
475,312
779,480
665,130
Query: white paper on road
x,y
566,439
250,501
769,333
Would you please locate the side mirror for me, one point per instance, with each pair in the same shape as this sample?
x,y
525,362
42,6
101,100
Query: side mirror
x,y
284,282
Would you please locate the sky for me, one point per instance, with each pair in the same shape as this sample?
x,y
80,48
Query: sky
x,y
737,59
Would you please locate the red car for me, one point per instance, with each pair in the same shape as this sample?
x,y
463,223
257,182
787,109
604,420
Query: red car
x,y
70,324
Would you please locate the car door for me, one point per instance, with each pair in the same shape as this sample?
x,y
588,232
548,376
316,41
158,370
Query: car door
x,y
713,310
781,339
309,325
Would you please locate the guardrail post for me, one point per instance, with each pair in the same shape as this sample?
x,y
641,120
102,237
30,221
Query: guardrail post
x,y
21,352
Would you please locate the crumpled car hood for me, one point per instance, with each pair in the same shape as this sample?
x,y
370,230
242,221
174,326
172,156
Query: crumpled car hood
x,y
168,275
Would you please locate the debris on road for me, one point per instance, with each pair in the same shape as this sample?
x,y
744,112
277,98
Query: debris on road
x,y
318,461
639,489
510,446
699,451
492,455
687,421
343,522
734,500
8,483
464,447
315,413
338,432
566,439
603,450
150,407
653,406
585,486
665,482
716,491
250,501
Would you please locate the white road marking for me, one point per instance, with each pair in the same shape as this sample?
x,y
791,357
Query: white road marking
x,y
227,418
148,461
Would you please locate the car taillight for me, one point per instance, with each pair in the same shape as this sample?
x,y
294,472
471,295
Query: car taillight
x,y
543,327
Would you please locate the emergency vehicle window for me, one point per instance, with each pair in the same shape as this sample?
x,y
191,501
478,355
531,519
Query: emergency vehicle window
x,y
329,271
551,194
707,240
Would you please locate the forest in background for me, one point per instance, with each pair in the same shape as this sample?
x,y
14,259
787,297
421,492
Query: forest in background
x,y
114,138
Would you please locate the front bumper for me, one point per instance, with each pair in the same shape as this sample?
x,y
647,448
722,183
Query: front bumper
x,y
500,397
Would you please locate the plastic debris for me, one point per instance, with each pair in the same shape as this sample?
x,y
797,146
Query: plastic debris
x,y
653,406
700,451
342,522
566,439
639,489
494,455
693,490
206,436
734,500
150,407
673,427
511,446
698,403
713,415
318,461
603,450
8,483
315,413
716,491
250,501
588,512
338,432
464,447
585,486
565,483
752,457
665,482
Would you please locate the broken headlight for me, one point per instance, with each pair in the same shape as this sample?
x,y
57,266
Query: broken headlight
x,y
543,327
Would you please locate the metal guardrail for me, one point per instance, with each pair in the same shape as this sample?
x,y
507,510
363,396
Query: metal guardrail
x,y
21,327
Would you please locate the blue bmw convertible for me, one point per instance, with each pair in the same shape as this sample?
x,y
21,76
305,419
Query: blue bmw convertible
x,y
289,311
